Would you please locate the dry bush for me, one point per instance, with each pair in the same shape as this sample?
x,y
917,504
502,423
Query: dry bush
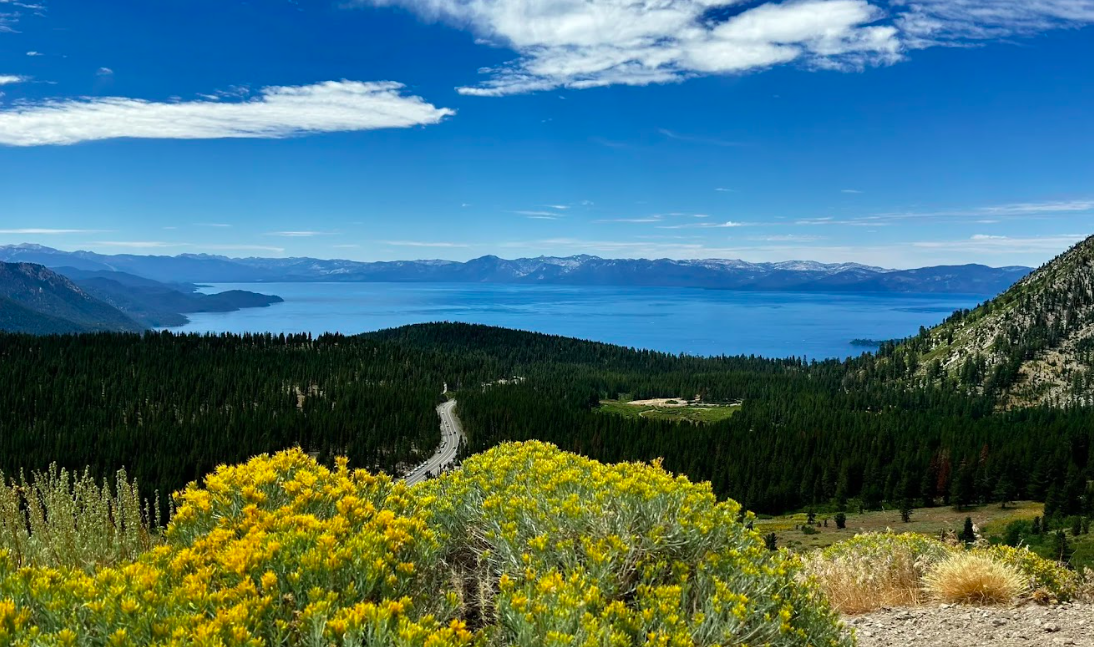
x,y
970,578
875,570
1085,592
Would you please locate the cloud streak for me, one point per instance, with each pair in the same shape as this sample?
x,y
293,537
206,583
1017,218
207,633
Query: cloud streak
x,y
275,113
32,231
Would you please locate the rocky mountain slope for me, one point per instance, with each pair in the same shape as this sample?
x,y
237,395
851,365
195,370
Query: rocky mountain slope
x,y
724,274
38,300
1033,344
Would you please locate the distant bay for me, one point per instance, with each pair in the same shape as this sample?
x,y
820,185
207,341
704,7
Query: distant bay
x,y
675,320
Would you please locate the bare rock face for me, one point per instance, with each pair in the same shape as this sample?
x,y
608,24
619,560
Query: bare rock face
x,y
962,626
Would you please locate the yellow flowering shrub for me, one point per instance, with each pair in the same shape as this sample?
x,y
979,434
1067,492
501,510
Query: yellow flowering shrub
x,y
556,549
525,545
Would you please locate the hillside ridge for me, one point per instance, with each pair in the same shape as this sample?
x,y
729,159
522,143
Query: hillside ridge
x,y
1033,344
39,300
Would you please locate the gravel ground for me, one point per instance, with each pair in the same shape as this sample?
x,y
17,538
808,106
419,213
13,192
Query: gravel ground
x,y
962,626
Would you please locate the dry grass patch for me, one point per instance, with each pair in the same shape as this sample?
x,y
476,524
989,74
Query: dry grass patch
x,y
971,578
875,570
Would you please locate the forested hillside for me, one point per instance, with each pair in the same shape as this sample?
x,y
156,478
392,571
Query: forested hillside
x,y
170,407
1033,344
36,300
801,438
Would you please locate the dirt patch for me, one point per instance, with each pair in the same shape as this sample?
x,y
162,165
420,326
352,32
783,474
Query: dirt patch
x,y
659,402
1003,626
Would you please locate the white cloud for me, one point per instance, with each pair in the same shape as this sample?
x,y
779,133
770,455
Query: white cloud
x,y
10,79
989,214
159,244
297,234
277,112
1026,208
698,140
590,43
706,225
34,53
989,244
47,232
8,19
633,220
938,22
538,215
138,244
851,191
787,238
252,248
419,243
104,71
725,190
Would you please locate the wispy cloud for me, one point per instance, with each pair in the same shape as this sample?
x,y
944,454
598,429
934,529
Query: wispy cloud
x,y
706,225
725,190
138,244
277,112
538,215
421,243
299,234
104,71
11,79
991,244
35,231
712,141
162,244
927,23
241,248
788,238
1059,208
646,219
220,225
1027,208
851,191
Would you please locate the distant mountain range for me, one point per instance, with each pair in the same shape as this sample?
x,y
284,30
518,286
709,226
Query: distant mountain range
x,y
799,276
38,300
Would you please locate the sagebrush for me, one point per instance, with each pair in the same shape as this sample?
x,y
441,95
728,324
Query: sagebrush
x,y
525,545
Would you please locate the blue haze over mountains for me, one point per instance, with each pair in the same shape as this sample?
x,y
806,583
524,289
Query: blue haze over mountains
x,y
801,276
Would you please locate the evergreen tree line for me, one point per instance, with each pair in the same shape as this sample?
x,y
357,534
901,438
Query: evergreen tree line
x,y
171,407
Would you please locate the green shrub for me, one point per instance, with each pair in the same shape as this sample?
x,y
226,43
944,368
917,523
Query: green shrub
x,y
1040,573
57,518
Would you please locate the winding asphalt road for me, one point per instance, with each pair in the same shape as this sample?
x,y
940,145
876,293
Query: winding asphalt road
x,y
451,434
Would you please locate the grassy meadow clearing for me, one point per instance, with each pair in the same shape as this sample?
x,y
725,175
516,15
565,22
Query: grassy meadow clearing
x,y
670,409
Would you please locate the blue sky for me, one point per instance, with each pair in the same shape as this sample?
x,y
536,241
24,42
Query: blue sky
x,y
892,133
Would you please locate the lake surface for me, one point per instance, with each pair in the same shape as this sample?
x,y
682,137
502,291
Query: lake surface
x,y
676,320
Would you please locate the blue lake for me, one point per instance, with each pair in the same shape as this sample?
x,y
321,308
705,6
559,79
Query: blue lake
x,y
677,320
